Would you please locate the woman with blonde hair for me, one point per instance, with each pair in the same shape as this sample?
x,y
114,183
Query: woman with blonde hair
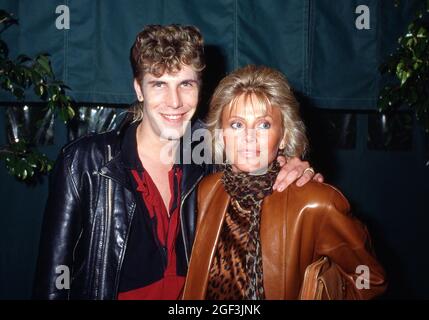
x,y
253,243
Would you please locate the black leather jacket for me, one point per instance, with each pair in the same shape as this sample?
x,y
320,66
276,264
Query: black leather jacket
x,y
88,217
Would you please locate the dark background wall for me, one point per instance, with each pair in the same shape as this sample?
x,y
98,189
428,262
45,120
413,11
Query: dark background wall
x,y
378,162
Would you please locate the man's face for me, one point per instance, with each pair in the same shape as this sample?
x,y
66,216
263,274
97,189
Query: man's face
x,y
169,102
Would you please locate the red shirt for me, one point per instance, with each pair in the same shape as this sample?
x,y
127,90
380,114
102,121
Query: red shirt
x,y
167,228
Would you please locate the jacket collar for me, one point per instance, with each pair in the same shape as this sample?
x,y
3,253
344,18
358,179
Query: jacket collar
x,y
129,153
114,168
124,155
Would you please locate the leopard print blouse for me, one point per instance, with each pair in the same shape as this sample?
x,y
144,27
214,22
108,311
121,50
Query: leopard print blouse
x,y
227,277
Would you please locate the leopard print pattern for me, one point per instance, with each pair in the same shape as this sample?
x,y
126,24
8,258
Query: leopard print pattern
x,y
227,275
236,271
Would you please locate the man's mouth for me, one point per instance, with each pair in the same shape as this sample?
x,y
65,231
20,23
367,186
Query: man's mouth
x,y
173,117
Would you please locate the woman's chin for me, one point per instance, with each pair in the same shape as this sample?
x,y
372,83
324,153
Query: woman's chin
x,y
250,168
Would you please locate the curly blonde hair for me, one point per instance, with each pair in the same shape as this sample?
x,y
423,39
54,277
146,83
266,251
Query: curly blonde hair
x,y
159,49
270,88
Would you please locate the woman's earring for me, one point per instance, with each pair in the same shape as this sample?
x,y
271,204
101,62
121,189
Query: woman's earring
x,y
281,150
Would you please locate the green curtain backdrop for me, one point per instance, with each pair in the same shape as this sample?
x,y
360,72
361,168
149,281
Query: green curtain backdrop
x,y
332,64
314,42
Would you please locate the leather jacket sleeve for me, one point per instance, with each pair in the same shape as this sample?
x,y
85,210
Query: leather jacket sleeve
x,y
346,241
60,231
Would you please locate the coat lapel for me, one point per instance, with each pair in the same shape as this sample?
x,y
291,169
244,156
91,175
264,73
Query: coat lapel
x,y
273,235
208,231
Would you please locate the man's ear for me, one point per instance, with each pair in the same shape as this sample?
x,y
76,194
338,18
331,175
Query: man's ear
x,y
138,90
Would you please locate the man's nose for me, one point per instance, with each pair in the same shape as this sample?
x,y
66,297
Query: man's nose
x,y
174,99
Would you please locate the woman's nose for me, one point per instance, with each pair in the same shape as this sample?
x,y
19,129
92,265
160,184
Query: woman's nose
x,y
250,135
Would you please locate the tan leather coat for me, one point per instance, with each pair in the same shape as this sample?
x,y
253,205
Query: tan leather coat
x,y
298,227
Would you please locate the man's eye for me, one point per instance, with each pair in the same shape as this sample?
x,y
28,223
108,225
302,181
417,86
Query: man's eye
x,y
158,84
264,125
187,84
236,125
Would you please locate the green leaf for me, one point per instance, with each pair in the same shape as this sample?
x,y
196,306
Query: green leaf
x,y
43,61
62,113
39,89
422,33
411,42
24,174
51,105
405,76
35,77
7,85
71,112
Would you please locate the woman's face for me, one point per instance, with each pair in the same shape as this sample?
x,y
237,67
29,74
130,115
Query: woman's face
x,y
252,133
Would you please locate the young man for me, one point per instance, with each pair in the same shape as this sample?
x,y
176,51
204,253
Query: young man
x,y
120,216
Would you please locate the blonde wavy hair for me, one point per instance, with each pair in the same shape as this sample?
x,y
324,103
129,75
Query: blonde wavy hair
x,y
268,87
165,49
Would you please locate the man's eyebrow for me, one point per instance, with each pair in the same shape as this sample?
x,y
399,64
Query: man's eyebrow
x,y
155,81
189,80
162,81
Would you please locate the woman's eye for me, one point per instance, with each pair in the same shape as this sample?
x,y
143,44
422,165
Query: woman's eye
x,y
236,125
264,125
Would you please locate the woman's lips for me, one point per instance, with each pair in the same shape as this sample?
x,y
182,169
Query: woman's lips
x,y
249,153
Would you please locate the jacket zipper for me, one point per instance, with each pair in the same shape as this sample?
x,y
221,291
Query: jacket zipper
x,y
107,225
181,217
73,259
121,259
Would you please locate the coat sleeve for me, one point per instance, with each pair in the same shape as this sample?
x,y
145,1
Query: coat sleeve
x,y
346,242
60,228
